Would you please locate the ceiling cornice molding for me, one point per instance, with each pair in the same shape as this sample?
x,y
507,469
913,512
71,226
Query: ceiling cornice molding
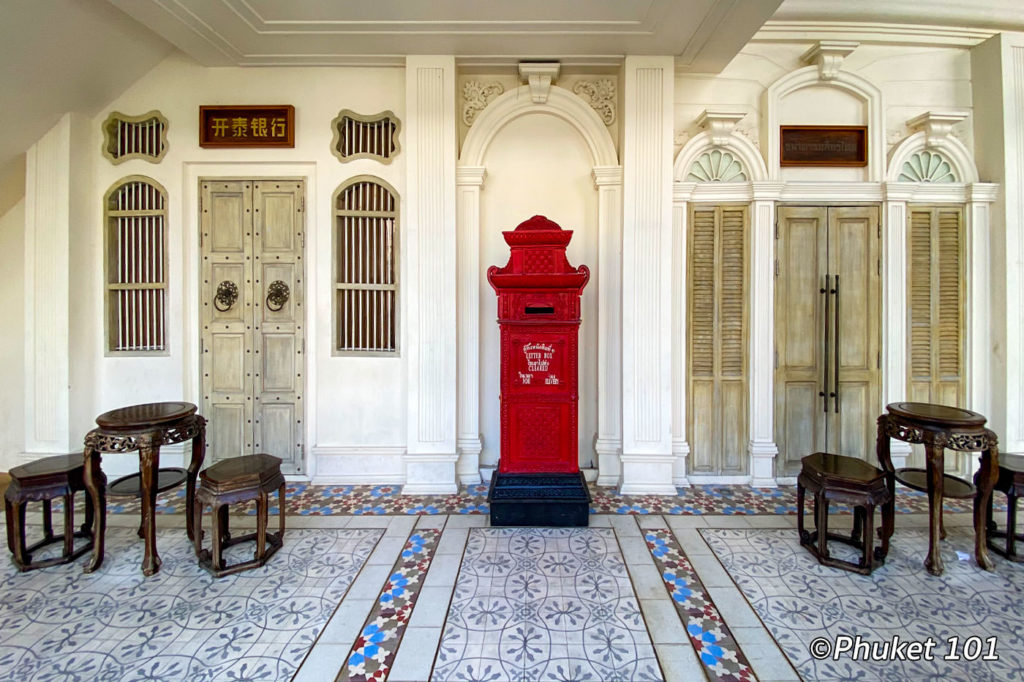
x,y
872,32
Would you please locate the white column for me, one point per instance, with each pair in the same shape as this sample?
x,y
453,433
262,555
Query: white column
x,y
680,446
997,87
47,292
430,294
608,180
469,181
894,310
762,448
979,332
647,458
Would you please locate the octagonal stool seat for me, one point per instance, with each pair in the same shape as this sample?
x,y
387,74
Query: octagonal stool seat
x,y
43,480
238,479
844,480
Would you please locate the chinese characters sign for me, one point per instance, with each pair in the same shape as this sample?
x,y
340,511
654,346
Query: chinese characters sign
x,y
247,126
823,146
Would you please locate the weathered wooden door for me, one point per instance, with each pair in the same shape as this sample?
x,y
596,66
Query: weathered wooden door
x,y
252,317
936,304
827,340
717,345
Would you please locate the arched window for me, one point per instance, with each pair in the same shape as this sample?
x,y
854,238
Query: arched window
x,y
136,250
366,266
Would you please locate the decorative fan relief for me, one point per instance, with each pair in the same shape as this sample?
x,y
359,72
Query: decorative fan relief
x,y
926,166
717,166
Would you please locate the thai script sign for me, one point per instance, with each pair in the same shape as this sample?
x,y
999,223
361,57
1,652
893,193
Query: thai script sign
x,y
823,145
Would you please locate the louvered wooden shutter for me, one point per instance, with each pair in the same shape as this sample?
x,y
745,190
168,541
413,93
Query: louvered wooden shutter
x,y
718,339
936,292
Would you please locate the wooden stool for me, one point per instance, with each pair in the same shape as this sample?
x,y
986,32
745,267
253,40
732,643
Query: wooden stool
x,y
849,481
45,479
238,479
1011,483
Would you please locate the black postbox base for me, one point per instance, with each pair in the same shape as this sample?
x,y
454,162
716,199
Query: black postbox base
x,y
539,500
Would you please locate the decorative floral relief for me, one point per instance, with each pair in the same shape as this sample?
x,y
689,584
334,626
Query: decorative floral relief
x,y
716,166
600,95
926,166
477,96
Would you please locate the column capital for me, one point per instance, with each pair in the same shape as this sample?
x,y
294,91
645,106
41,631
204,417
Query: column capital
x,y
470,176
767,191
607,175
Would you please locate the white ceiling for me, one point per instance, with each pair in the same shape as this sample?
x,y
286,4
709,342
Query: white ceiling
x,y
77,55
702,34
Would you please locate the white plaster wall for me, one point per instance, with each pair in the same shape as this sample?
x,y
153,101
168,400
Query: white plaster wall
x,y
912,79
352,401
538,164
12,340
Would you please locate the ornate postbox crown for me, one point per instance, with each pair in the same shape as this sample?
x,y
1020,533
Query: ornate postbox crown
x,y
538,259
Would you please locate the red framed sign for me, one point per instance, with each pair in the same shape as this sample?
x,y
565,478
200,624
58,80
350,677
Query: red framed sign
x,y
268,125
823,145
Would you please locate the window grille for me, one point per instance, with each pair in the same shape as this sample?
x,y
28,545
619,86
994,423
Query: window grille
x,y
366,242
135,137
136,248
365,137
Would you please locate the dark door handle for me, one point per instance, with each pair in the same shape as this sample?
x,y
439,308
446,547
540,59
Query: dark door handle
x,y
824,364
835,343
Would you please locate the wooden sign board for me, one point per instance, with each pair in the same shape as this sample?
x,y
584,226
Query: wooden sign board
x,y
823,145
268,125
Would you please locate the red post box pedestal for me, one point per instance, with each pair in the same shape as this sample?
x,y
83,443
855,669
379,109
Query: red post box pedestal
x,y
538,482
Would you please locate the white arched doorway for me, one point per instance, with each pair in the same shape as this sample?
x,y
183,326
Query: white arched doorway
x,y
561,129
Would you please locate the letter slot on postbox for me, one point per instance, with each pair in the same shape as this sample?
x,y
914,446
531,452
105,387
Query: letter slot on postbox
x,y
538,482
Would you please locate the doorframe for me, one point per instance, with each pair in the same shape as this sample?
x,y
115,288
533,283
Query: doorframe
x,y
191,278
882,300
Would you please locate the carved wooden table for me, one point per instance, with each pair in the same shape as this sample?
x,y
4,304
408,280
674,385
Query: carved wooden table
x,y
938,427
144,428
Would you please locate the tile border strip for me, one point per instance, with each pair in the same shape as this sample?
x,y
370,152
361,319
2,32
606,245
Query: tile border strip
x,y
373,653
717,649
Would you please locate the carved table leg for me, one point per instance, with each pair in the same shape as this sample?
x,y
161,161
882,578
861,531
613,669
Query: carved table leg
x,y
889,507
934,454
149,463
262,509
15,512
280,510
198,454
69,524
195,522
799,511
96,491
988,473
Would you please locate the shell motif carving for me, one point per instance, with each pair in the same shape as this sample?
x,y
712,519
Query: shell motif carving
x,y
717,165
926,166
600,95
477,96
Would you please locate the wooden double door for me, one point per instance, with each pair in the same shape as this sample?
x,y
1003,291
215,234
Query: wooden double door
x,y
827,332
251,237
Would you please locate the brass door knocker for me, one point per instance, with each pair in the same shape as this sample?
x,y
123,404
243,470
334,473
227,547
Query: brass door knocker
x,y
227,294
277,295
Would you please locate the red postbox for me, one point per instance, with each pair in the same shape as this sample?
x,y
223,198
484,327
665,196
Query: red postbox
x,y
538,481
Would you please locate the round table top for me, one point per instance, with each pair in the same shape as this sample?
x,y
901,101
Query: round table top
x,y
937,415
145,415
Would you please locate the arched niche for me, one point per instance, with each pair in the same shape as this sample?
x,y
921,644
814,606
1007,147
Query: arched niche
x,y
762,195
859,88
471,175
926,152
933,167
737,146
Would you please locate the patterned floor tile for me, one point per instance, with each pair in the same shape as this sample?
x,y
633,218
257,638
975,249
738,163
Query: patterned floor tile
x,y
59,623
801,601
544,604
374,651
717,649
310,500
